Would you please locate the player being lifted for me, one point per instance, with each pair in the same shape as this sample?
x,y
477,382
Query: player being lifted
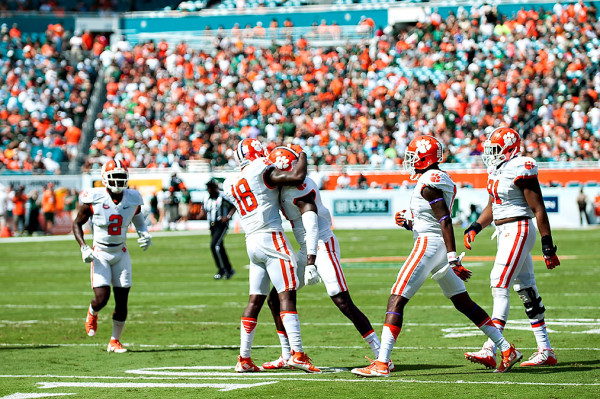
x,y
255,194
515,198
311,225
110,209
434,252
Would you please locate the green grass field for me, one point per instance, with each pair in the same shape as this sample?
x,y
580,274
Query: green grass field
x,y
183,326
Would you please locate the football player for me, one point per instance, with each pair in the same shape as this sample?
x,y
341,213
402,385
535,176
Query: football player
x,y
110,210
515,198
434,252
319,254
255,194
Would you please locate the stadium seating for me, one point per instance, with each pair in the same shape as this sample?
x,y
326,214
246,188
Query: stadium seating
x,y
44,89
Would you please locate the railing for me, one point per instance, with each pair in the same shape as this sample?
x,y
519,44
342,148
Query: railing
x,y
315,36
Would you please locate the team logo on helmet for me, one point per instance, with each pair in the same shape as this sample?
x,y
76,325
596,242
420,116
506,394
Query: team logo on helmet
x,y
423,146
281,162
509,138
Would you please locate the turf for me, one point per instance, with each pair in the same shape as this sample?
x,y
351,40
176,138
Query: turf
x,y
180,317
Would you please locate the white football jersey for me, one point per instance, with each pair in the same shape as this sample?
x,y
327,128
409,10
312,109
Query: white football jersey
x,y
110,221
424,221
256,202
288,198
508,200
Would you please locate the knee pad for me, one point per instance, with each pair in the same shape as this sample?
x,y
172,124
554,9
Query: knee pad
x,y
532,302
501,303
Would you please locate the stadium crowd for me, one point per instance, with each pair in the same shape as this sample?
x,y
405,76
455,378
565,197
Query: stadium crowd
x,y
45,85
455,78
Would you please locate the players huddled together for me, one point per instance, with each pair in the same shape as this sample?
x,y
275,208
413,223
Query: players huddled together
x,y
270,184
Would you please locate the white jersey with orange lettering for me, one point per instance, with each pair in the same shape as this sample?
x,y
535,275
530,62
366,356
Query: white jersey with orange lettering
x,y
508,199
272,259
425,223
110,221
256,201
288,197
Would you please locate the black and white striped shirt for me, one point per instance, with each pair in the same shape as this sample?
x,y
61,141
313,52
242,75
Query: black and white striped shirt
x,y
216,208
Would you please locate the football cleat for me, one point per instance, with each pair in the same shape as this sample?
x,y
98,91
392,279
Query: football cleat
x,y
218,276
484,357
301,361
509,358
245,365
91,324
229,274
115,346
391,366
280,363
375,369
543,357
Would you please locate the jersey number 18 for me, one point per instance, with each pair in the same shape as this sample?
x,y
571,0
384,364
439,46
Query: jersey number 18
x,y
244,197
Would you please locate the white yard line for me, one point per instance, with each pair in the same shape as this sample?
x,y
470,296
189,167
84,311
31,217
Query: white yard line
x,y
69,237
263,376
220,387
20,395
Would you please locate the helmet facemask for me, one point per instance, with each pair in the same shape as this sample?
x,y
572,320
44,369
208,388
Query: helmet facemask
x,y
115,180
410,158
492,154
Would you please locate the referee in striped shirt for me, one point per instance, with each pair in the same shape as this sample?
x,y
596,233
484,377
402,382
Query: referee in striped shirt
x,y
218,212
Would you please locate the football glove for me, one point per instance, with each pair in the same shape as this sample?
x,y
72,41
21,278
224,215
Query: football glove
x,y
549,251
404,219
145,240
455,263
87,254
311,277
470,234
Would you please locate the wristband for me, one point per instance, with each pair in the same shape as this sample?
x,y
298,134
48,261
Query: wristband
x,y
451,256
476,227
436,200
547,241
443,218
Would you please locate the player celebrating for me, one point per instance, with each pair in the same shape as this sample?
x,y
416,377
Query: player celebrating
x,y
110,209
311,224
515,198
255,194
434,248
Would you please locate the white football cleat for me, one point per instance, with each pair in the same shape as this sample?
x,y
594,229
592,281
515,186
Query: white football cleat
x,y
115,346
485,357
543,357
280,363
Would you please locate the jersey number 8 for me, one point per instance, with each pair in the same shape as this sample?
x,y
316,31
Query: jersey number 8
x,y
245,198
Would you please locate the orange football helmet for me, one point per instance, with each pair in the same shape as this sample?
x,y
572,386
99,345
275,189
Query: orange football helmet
x,y
115,176
422,152
248,150
503,144
284,158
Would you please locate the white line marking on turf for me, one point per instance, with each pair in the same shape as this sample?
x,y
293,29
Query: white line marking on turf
x,y
68,237
19,395
266,376
166,371
220,387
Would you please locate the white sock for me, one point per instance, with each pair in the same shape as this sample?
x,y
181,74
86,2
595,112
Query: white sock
x,y
541,335
292,328
285,345
247,336
92,311
388,340
373,341
494,335
499,324
117,329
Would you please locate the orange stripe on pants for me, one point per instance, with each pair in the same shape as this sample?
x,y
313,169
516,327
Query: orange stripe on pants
x,y
289,262
337,267
408,261
414,265
509,263
283,271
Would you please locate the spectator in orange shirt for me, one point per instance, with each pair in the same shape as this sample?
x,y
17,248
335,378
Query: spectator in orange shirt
x,y
48,207
19,209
